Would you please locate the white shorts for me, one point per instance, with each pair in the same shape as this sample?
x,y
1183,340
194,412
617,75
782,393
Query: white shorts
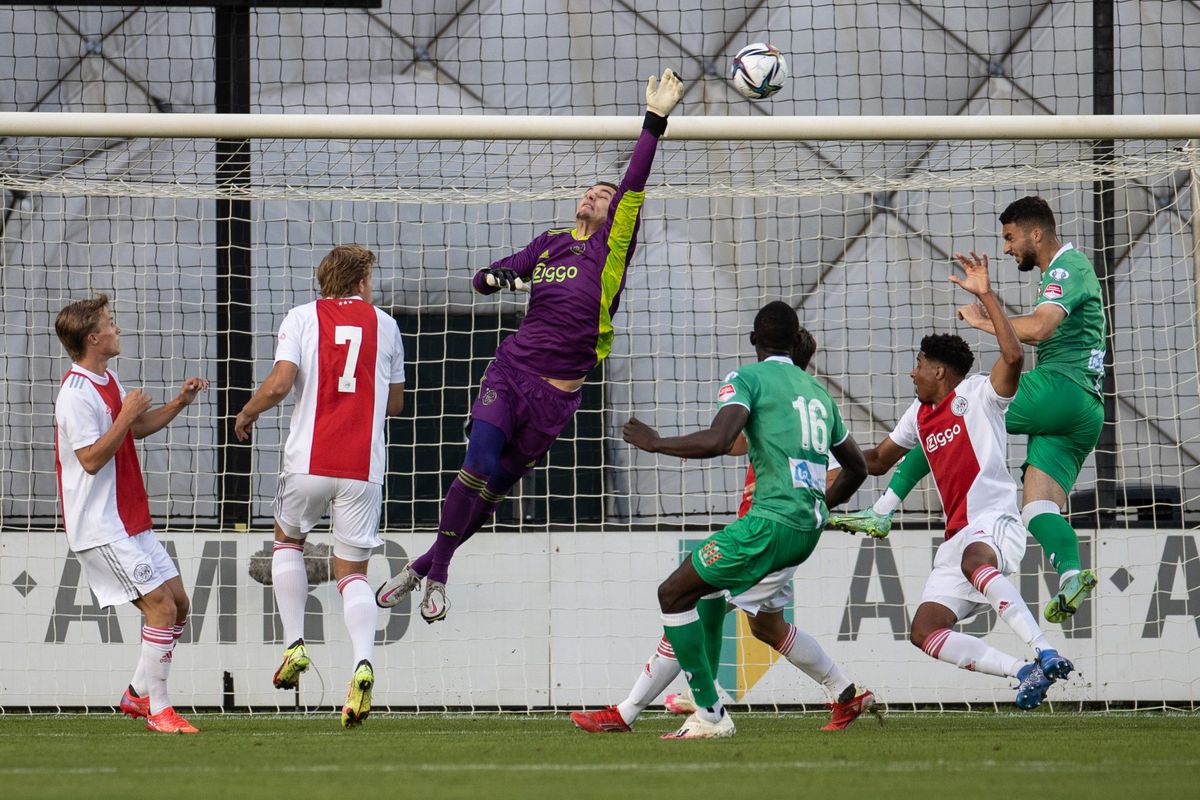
x,y
948,586
772,593
124,570
354,508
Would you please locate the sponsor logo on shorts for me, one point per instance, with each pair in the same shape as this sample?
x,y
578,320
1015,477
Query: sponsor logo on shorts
x,y
959,406
1059,274
1053,291
725,392
488,397
143,572
710,553
451,534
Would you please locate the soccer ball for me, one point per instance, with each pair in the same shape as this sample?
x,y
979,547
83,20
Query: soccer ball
x,y
759,71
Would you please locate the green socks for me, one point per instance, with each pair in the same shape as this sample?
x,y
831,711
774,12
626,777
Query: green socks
x,y
909,472
1058,540
712,617
686,634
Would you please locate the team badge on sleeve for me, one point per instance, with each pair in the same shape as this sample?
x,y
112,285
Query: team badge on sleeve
x,y
1059,274
725,392
1053,291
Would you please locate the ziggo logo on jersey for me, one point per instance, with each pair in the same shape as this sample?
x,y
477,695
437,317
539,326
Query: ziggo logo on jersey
x,y
544,274
942,438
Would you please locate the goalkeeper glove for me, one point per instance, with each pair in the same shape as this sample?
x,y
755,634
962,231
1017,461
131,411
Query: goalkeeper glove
x,y
661,98
502,278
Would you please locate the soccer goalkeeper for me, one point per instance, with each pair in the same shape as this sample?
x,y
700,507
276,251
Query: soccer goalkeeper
x,y
530,391
1058,404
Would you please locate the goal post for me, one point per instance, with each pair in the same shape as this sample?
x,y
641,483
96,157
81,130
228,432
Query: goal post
x,y
854,221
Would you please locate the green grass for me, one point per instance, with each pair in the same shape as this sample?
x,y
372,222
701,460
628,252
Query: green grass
x,y
915,756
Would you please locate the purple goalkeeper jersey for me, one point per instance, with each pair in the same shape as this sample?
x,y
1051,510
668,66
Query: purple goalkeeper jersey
x,y
576,284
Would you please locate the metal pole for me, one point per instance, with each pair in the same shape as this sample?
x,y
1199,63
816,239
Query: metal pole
x,y
1104,208
1194,146
235,344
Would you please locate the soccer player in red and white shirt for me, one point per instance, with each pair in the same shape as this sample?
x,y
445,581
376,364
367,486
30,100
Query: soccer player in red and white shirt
x,y
959,423
345,360
106,512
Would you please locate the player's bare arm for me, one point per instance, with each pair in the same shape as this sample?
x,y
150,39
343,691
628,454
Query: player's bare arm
x,y
395,401
93,457
274,389
714,441
851,475
1031,328
1006,372
883,456
154,420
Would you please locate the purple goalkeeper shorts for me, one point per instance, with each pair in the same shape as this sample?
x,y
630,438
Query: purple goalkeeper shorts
x,y
531,412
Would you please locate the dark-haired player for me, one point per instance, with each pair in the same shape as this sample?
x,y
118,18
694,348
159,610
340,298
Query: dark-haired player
x,y
791,424
530,391
958,421
763,604
1058,405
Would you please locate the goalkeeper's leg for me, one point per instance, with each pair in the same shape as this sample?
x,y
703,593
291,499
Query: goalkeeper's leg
x,y
468,503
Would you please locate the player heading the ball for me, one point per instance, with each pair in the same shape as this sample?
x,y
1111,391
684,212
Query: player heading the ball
x,y
958,421
531,390
106,512
345,359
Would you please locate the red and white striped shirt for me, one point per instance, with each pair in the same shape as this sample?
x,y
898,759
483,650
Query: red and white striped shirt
x,y
349,354
101,508
967,446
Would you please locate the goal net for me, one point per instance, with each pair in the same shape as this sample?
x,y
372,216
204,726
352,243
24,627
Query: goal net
x,y
554,605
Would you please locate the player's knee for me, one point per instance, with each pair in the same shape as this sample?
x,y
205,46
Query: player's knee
x,y
668,598
159,606
183,605
768,627
918,635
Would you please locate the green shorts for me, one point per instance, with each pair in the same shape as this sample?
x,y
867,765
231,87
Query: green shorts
x,y
1061,419
744,552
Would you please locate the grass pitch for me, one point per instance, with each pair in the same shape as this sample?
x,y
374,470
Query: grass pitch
x,y
938,756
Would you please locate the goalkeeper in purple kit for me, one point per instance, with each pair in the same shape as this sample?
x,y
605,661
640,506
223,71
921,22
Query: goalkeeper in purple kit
x,y
532,389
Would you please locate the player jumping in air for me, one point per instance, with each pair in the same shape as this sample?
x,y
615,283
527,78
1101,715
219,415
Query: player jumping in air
x,y
764,604
958,422
106,512
791,424
346,361
532,389
1058,404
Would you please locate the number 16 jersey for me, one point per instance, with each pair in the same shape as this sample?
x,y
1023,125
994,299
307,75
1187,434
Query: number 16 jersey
x,y
349,354
793,423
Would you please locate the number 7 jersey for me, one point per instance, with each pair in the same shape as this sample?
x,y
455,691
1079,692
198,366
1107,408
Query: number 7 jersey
x,y
349,354
793,423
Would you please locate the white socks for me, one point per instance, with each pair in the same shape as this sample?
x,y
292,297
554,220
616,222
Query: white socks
x,y
290,581
1007,601
810,658
969,653
888,503
155,664
654,678
361,614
